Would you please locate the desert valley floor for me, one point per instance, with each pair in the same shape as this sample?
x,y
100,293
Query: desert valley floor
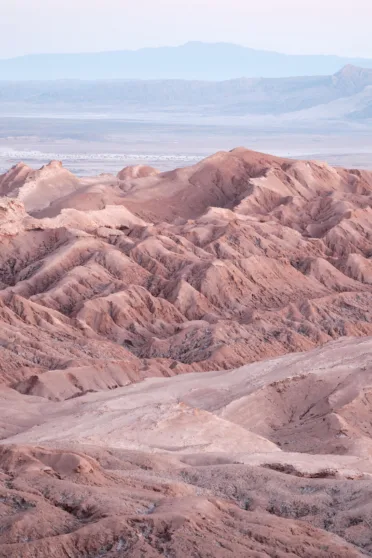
x,y
186,361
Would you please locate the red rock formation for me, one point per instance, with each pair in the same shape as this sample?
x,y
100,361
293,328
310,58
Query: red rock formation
x,y
109,281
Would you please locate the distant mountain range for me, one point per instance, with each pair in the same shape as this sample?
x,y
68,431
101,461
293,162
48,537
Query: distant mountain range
x,y
194,60
344,95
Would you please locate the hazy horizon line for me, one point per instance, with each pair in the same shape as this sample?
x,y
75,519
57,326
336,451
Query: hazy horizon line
x,y
181,45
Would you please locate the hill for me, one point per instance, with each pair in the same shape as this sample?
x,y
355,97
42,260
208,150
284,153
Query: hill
x,y
240,257
185,360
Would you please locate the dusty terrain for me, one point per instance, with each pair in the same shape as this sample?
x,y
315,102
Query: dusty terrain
x,y
272,459
131,307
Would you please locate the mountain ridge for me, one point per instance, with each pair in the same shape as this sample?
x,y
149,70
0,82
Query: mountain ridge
x,y
345,95
193,60
185,360
228,261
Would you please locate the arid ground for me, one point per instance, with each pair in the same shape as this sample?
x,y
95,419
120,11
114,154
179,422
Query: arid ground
x,y
186,360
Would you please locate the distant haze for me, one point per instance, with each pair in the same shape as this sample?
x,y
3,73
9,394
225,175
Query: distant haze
x,y
346,95
192,61
298,27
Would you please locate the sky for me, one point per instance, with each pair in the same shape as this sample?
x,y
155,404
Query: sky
x,y
292,26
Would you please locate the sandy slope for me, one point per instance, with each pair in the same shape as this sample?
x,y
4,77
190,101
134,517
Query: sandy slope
x,y
115,504
131,307
171,465
242,257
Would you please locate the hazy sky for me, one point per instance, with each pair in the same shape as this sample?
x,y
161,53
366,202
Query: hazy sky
x,y
293,26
